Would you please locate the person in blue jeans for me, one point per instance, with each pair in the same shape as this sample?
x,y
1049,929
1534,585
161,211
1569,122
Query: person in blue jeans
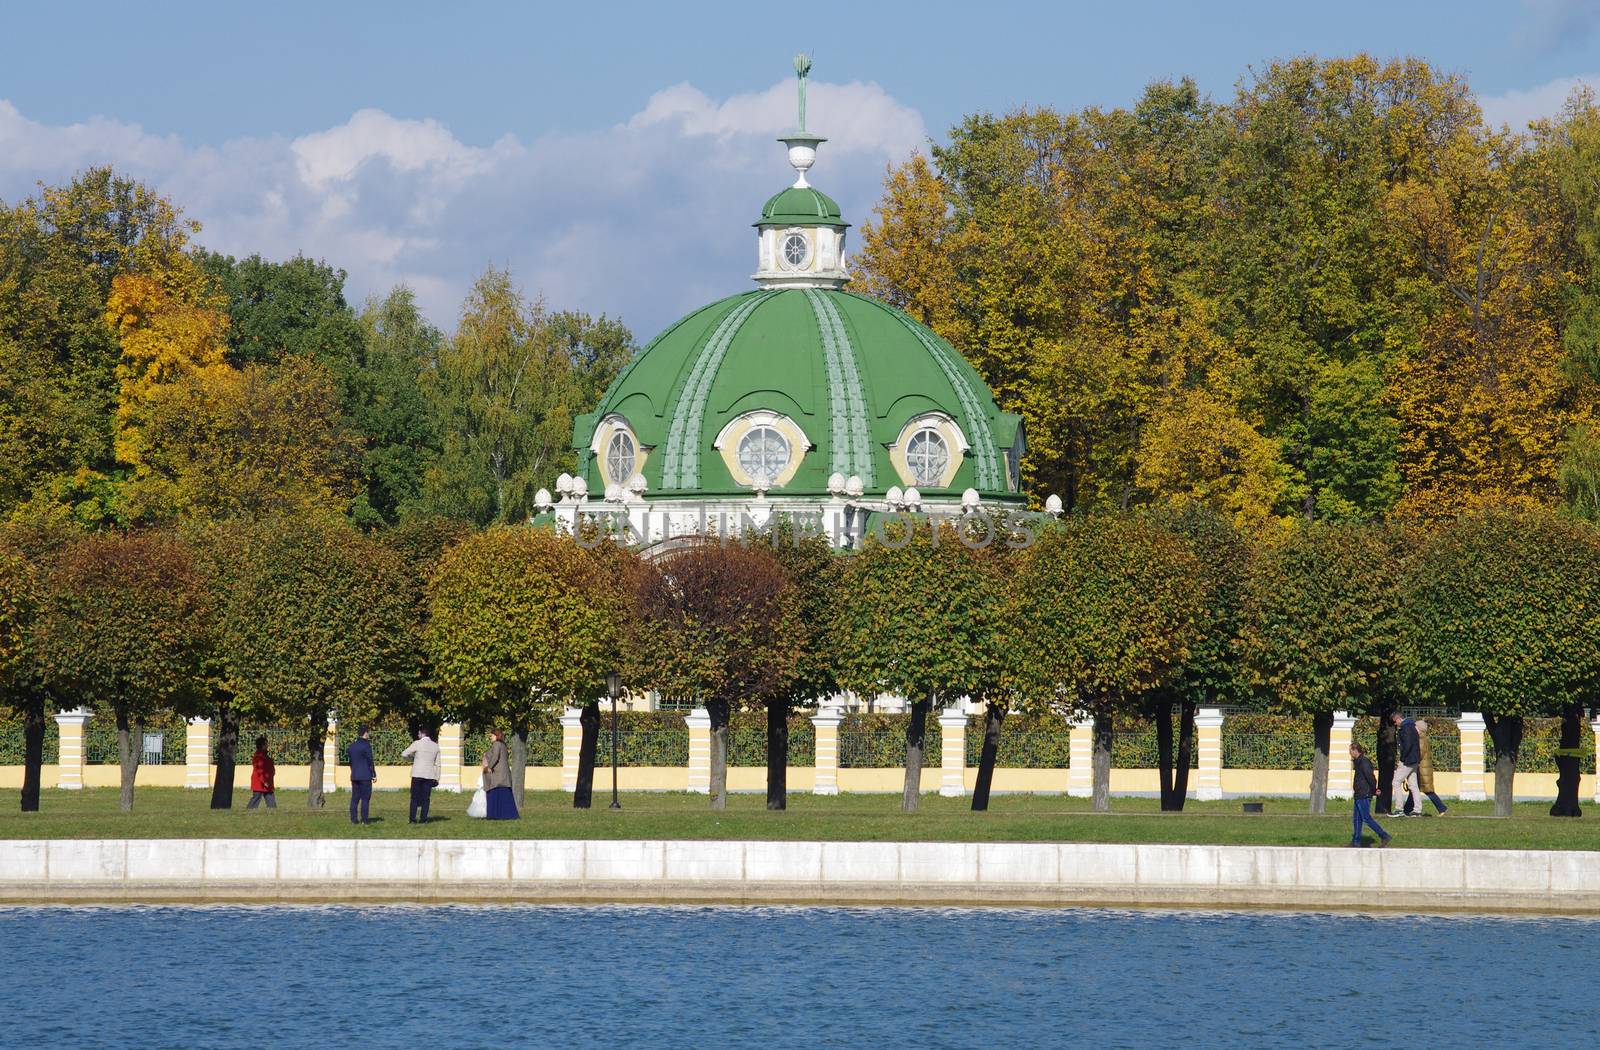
x,y
1366,786
362,775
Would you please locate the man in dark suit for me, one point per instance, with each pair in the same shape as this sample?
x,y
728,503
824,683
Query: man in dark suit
x,y
362,775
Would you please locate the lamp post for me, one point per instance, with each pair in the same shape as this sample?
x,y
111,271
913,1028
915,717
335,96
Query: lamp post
x,y
614,688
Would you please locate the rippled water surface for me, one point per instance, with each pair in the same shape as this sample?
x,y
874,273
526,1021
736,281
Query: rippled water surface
x,y
424,978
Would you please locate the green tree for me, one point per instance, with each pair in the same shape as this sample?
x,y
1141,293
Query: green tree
x,y
20,687
715,623
921,615
421,542
505,392
522,622
122,627
393,410
316,625
1500,618
1211,674
1323,628
1112,608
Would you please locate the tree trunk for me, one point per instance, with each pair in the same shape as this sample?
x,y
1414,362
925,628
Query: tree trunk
x,y
314,741
1180,775
1161,711
1567,771
1321,735
519,763
916,731
718,710
1507,736
227,754
1388,758
777,754
993,716
128,755
588,744
32,751
1102,761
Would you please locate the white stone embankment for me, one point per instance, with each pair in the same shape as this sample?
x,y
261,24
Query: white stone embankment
x,y
269,870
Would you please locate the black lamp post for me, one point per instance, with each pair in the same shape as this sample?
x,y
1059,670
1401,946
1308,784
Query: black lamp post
x,y
614,688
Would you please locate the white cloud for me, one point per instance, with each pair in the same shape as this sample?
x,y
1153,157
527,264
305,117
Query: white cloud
x,y
646,219
1517,108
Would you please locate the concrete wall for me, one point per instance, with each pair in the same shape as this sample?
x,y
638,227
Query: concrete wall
x,y
823,872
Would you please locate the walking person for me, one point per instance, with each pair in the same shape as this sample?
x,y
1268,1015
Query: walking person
x,y
1366,786
1425,769
262,774
363,774
1405,769
425,774
497,778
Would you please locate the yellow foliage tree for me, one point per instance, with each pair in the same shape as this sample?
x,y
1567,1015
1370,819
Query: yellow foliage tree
x,y
168,327
1199,450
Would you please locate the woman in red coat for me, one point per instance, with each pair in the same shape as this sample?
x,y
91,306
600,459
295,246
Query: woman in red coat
x,y
261,773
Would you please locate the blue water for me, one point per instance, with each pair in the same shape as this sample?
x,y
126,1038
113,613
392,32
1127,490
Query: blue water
x,y
425,978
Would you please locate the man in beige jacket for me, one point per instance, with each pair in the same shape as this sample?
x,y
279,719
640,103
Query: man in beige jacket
x,y
424,755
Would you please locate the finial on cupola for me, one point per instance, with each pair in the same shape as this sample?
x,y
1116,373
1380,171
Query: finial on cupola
x,y
802,144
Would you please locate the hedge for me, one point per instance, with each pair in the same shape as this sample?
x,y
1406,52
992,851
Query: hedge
x,y
12,752
1026,742
875,741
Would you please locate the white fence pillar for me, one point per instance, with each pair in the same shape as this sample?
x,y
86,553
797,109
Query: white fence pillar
x,y
1080,758
571,747
73,729
699,723
450,755
1341,774
330,758
953,751
1595,725
1208,742
1470,785
826,724
197,754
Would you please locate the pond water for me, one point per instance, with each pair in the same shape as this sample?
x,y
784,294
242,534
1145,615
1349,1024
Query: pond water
x,y
622,976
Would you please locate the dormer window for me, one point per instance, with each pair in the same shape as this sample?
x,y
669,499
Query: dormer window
x,y
762,449
927,455
796,250
620,455
763,454
617,450
929,451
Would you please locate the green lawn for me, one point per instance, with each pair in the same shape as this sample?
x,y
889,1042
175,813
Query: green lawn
x,y
177,813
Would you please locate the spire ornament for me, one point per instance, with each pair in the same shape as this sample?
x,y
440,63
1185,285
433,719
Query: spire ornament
x,y
802,143
802,66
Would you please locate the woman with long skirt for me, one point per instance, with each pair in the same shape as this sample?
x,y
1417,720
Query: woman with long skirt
x,y
497,778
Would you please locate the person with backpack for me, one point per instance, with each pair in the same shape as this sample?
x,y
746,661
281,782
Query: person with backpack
x,y
1366,786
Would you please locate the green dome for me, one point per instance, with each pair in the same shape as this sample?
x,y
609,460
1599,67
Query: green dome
x,y
800,205
854,375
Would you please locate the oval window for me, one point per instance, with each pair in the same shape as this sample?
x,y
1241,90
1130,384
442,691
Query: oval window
x,y
620,458
928,456
763,455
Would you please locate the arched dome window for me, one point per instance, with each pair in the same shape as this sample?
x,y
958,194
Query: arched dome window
x,y
620,456
928,456
763,455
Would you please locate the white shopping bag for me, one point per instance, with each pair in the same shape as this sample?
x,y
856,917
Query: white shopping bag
x,y
479,806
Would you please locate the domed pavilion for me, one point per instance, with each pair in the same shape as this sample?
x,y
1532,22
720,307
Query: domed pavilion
x,y
796,397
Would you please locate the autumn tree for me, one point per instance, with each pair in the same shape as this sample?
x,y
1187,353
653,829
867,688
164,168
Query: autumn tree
x,y
921,615
315,625
1500,619
1323,627
121,626
1112,609
715,623
61,252
522,622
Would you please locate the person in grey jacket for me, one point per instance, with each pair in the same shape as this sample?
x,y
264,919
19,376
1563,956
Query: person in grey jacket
x,y
425,774
1405,768
497,778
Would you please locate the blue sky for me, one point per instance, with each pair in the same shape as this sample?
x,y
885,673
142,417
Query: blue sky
x,y
613,155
